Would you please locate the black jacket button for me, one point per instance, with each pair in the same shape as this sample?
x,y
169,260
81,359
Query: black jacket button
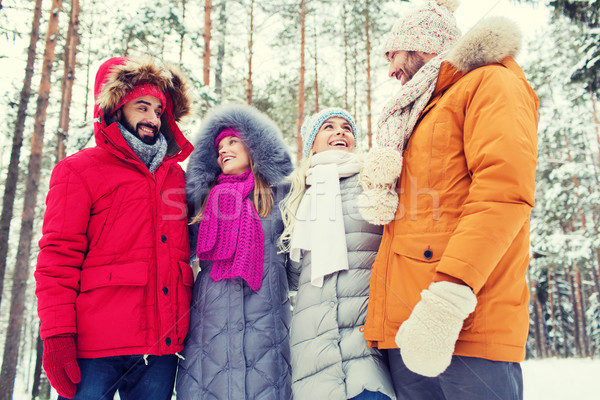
x,y
168,341
428,254
163,239
165,290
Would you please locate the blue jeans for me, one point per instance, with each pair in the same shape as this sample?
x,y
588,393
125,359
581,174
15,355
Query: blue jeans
x,y
368,395
467,378
102,377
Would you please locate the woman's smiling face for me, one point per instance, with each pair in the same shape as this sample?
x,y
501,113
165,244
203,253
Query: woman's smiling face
x,y
233,156
334,134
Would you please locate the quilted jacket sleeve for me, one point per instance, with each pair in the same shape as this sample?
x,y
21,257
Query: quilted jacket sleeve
x,y
500,144
62,250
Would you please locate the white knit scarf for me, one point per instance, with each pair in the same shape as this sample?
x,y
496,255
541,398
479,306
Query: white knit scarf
x,y
401,114
319,225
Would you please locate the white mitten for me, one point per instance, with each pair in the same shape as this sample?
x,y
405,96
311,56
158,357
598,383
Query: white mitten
x,y
379,200
378,206
427,338
382,165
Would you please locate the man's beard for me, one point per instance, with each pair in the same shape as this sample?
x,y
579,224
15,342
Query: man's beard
x,y
414,62
146,139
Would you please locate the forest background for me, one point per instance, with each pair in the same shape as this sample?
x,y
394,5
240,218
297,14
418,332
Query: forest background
x,y
290,58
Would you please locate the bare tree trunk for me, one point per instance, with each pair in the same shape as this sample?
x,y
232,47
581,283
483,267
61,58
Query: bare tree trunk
x,y
10,185
91,6
346,70
70,64
301,83
564,325
206,56
577,323
17,306
580,310
355,83
250,53
88,67
560,317
536,326
221,50
368,44
552,344
182,36
316,71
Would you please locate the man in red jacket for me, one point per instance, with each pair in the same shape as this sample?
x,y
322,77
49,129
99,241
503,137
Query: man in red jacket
x,y
113,279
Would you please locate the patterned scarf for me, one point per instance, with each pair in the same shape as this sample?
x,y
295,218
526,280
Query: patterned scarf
x,y
401,114
150,154
230,233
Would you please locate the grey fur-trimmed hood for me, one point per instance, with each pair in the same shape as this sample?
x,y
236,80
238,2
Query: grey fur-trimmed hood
x,y
489,41
260,134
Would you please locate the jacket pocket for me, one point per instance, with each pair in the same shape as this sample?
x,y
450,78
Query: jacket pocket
x,y
411,268
184,298
111,307
425,247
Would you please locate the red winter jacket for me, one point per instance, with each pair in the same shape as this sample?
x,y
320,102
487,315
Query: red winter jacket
x,y
113,266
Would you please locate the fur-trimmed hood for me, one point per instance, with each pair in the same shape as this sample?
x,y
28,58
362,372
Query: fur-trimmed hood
x,y
259,133
119,75
488,42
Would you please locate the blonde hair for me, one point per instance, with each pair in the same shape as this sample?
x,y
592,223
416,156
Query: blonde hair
x,y
289,205
262,199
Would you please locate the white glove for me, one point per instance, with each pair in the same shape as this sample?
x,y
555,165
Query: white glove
x,y
427,338
379,200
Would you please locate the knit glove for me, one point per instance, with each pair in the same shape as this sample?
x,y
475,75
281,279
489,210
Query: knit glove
x,y
427,338
379,200
60,363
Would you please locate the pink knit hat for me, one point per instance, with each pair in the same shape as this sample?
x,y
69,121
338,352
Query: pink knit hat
x,y
143,89
430,28
224,133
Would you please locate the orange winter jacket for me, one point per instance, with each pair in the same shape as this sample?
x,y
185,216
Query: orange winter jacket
x,y
465,195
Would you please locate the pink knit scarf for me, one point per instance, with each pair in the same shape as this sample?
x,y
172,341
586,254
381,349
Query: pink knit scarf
x,y
230,232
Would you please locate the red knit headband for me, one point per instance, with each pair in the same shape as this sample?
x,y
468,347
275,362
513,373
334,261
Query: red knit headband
x,y
143,89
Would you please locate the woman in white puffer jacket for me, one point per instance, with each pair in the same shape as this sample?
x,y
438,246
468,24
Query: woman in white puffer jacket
x,y
332,249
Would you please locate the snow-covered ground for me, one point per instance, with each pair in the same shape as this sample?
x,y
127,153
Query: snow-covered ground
x,y
561,379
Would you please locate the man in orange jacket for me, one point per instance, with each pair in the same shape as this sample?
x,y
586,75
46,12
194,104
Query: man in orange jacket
x,y
452,178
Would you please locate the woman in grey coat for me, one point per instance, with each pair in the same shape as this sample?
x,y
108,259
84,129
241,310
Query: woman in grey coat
x,y
332,249
238,343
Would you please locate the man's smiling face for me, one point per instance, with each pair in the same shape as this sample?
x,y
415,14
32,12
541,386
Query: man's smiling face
x,y
141,116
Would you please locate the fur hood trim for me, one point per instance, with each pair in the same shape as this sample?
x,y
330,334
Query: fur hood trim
x,y
119,75
259,133
488,42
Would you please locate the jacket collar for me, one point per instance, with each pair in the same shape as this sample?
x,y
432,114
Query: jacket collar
x,y
495,40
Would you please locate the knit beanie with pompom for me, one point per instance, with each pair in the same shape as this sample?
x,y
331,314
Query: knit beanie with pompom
x,y
429,27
